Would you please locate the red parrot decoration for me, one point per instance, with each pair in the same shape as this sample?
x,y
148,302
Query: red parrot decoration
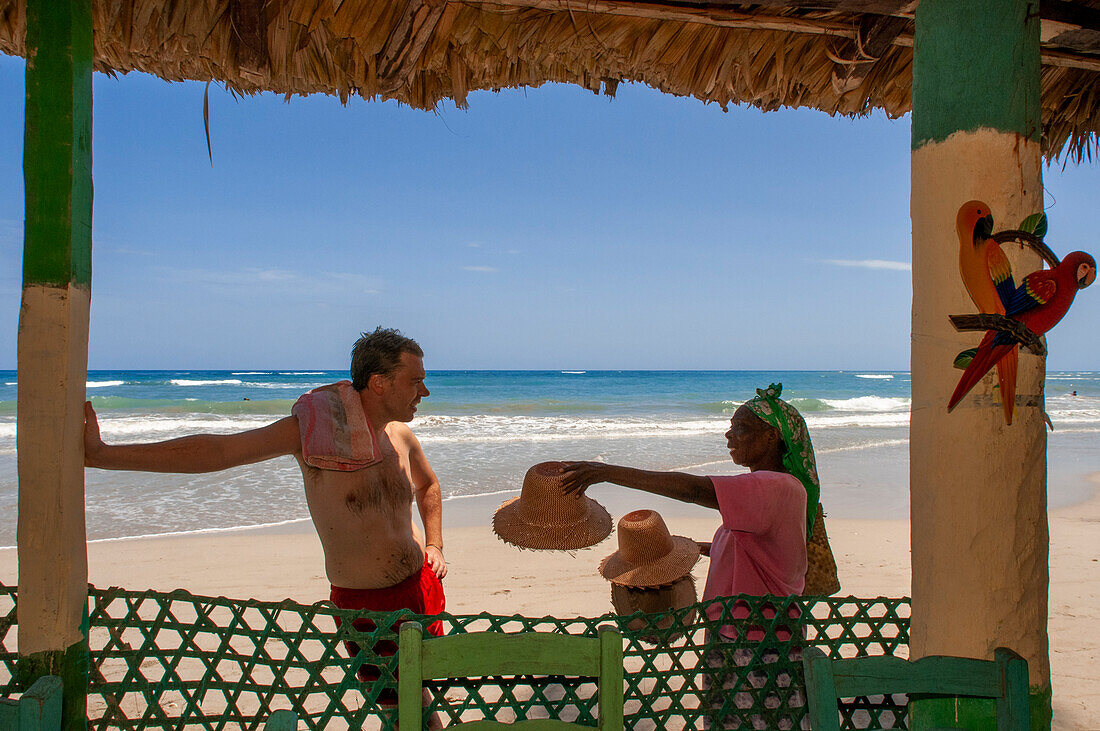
x,y
987,275
1039,303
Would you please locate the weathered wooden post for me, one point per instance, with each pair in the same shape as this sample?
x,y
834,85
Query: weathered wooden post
x,y
53,350
978,487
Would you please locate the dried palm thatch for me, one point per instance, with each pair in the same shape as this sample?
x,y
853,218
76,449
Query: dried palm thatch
x,y
850,59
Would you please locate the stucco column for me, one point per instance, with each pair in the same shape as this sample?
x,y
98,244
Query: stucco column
x,y
977,487
53,350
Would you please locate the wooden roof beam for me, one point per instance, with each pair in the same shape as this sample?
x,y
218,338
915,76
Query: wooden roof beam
x,y
721,17
707,15
1070,14
901,8
250,30
1071,26
855,59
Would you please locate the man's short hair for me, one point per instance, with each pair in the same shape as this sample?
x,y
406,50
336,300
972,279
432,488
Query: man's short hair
x,y
379,353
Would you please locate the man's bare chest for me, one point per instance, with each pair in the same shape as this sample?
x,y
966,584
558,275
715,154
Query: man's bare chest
x,y
384,487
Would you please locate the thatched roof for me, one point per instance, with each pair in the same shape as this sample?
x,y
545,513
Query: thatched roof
x,y
840,56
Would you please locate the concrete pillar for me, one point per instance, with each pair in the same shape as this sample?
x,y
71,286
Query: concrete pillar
x,y
977,487
53,350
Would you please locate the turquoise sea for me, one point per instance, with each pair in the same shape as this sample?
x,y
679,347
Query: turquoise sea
x,y
481,431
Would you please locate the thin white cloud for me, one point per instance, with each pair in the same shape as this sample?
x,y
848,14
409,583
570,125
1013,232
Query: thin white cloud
x,y
123,250
474,245
480,269
896,266
280,280
275,275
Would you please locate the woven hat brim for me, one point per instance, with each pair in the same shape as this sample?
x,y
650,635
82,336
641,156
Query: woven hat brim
x,y
674,565
512,527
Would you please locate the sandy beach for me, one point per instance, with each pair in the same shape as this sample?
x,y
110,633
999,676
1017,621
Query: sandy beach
x,y
489,575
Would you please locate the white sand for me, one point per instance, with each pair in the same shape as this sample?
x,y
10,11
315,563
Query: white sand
x,y
489,575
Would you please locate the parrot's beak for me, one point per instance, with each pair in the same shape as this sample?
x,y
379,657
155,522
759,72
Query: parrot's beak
x,y
983,228
1085,276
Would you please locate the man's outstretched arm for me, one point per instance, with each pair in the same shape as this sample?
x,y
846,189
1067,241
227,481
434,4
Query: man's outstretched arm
x,y
199,453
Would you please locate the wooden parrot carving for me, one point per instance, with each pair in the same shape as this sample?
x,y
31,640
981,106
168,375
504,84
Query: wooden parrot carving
x,y
987,274
985,269
1039,303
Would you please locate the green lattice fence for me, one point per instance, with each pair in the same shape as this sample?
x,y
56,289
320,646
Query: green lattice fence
x,y
169,660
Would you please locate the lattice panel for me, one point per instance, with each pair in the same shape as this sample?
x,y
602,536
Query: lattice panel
x,y
167,660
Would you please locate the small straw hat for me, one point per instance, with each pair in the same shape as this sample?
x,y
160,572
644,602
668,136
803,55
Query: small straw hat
x,y
648,555
544,517
664,599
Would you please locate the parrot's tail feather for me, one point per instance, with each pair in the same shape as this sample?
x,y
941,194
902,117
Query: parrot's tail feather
x,y
1006,375
986,357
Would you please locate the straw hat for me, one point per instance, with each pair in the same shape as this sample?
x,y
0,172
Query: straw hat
x,y
648,555
544,517
628,600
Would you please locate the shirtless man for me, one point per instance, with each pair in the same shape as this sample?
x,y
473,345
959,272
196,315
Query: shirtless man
x,y
374,556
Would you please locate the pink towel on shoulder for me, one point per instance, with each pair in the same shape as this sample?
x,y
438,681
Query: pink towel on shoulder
x,y
335,432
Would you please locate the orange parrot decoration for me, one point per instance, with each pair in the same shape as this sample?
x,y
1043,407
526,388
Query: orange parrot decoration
x,y
987,274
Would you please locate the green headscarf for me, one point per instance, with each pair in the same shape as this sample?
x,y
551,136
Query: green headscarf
x,y
799,459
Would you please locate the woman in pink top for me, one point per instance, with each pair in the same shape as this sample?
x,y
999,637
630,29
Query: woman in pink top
x,y
759,549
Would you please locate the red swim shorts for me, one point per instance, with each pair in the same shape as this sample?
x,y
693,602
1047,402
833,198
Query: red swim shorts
x,y
422,593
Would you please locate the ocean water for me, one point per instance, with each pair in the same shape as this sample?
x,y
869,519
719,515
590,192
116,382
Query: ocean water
x,y
481,431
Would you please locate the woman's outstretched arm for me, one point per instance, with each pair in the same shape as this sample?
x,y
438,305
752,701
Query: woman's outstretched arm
x,y
677,485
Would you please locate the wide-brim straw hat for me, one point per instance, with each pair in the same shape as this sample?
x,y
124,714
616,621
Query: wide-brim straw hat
x,y
663,600
648,555
544,517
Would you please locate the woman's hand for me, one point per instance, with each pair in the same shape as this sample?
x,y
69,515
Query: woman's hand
x,y
704,548
579,475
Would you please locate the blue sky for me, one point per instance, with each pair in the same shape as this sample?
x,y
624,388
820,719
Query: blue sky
x,y
545,228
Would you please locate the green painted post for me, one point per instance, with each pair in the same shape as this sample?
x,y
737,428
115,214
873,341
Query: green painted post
x,y
977,485
976,65
53,350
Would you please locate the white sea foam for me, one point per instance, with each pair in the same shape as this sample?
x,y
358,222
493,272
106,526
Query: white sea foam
x,y
11,383
885,377
197,531
163,426
301,373
868,403
485,429
277,385
1060,428
864,404
836,421
101,384
865,411
490,493
828,450
575,373
222,382
251,373
859,446
438,429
